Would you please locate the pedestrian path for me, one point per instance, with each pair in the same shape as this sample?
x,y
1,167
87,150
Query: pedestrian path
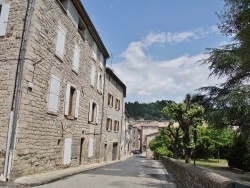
x,y
47,177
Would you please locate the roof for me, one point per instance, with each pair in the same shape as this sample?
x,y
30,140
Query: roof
x,y
91,27
112,74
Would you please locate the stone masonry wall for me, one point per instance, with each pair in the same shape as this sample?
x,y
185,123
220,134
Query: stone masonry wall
x,y
194,177
9,50
40,134
110,137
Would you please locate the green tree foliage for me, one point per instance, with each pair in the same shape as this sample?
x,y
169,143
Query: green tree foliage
x,y
147,111
229,101
160,144
189,116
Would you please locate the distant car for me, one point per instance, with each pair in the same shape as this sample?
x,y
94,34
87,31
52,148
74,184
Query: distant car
x,y
136,152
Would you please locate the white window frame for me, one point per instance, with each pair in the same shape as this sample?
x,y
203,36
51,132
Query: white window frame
x,y
67,150
92,76
54,92
76,58
95,118
4,18
74,102
60,42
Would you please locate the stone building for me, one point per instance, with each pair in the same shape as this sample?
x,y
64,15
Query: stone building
x,y
113,117
52,67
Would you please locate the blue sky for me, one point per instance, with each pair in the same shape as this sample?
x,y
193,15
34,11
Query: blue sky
x,y
155,44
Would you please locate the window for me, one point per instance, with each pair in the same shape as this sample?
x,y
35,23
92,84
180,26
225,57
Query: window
x,y
101,61
93,112
100,83
72,102
67,150
94,47
61,34
4,14
117,104
116,126
54,93
109,124
76,58
110,100
91,147
93,76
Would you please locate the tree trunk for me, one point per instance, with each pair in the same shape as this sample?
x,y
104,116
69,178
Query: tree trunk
x,y
218,154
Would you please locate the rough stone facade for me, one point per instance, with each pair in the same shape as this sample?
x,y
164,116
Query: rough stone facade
x,y
41,134
111,137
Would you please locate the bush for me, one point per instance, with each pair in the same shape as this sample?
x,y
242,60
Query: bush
x,y
169,154
239,154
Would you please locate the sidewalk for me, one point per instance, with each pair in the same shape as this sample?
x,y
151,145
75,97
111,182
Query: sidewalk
x,y
47,177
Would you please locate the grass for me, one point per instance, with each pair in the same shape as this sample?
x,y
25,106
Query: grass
x,y
212,163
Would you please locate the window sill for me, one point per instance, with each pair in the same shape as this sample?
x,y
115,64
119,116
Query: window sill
x,y
75,70
59,56
52,113
110,106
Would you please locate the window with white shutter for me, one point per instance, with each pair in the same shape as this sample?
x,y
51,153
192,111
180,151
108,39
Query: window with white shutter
x,y
100,82
93,76
61,35
91,147
54,93
4,14
76,58
72,100
67,151
94,48
93,112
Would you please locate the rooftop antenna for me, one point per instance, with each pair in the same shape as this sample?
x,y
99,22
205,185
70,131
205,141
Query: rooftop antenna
x,y
111,57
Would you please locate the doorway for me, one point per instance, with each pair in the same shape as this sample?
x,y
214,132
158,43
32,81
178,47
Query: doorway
x,y
114,151
81,151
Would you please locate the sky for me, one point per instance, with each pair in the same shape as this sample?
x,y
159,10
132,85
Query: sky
x,y
155,44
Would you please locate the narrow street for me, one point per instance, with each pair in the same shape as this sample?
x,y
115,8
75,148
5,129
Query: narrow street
x,y
136,171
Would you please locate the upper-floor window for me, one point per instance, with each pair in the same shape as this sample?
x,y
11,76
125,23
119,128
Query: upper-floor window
x,y
54,93
116,126
117,104
93,112
110,100
100,82
61,35
94,48
76,58
72,102
109,124
92,76
4,14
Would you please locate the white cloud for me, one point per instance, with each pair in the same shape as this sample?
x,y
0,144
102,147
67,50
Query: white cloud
x,y
149,80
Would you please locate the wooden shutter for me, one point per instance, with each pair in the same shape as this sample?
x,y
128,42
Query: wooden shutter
x,y
91,147
54,93
77,103
66,107
4,18
93,75
90,109
67,150
98,81
97,114
76,58
60,41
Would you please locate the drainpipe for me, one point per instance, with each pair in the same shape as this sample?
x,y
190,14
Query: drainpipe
x,y
121,129
103,94
16,94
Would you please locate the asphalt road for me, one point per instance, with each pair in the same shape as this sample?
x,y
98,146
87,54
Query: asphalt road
x,y
136,171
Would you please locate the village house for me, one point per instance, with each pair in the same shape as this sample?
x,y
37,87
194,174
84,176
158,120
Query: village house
x,y
53,104
113,133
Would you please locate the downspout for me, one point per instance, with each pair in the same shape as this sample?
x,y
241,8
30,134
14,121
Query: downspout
x,y
16,94
121,128
103,93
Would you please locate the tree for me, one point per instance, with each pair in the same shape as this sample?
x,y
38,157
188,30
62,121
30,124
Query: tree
x,y
189,116
230,100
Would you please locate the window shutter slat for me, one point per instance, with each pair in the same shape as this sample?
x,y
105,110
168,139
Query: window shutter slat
x,y
77,103
66,107
90,109
93,76
60,41
54,93
97,114
76,58
4,18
